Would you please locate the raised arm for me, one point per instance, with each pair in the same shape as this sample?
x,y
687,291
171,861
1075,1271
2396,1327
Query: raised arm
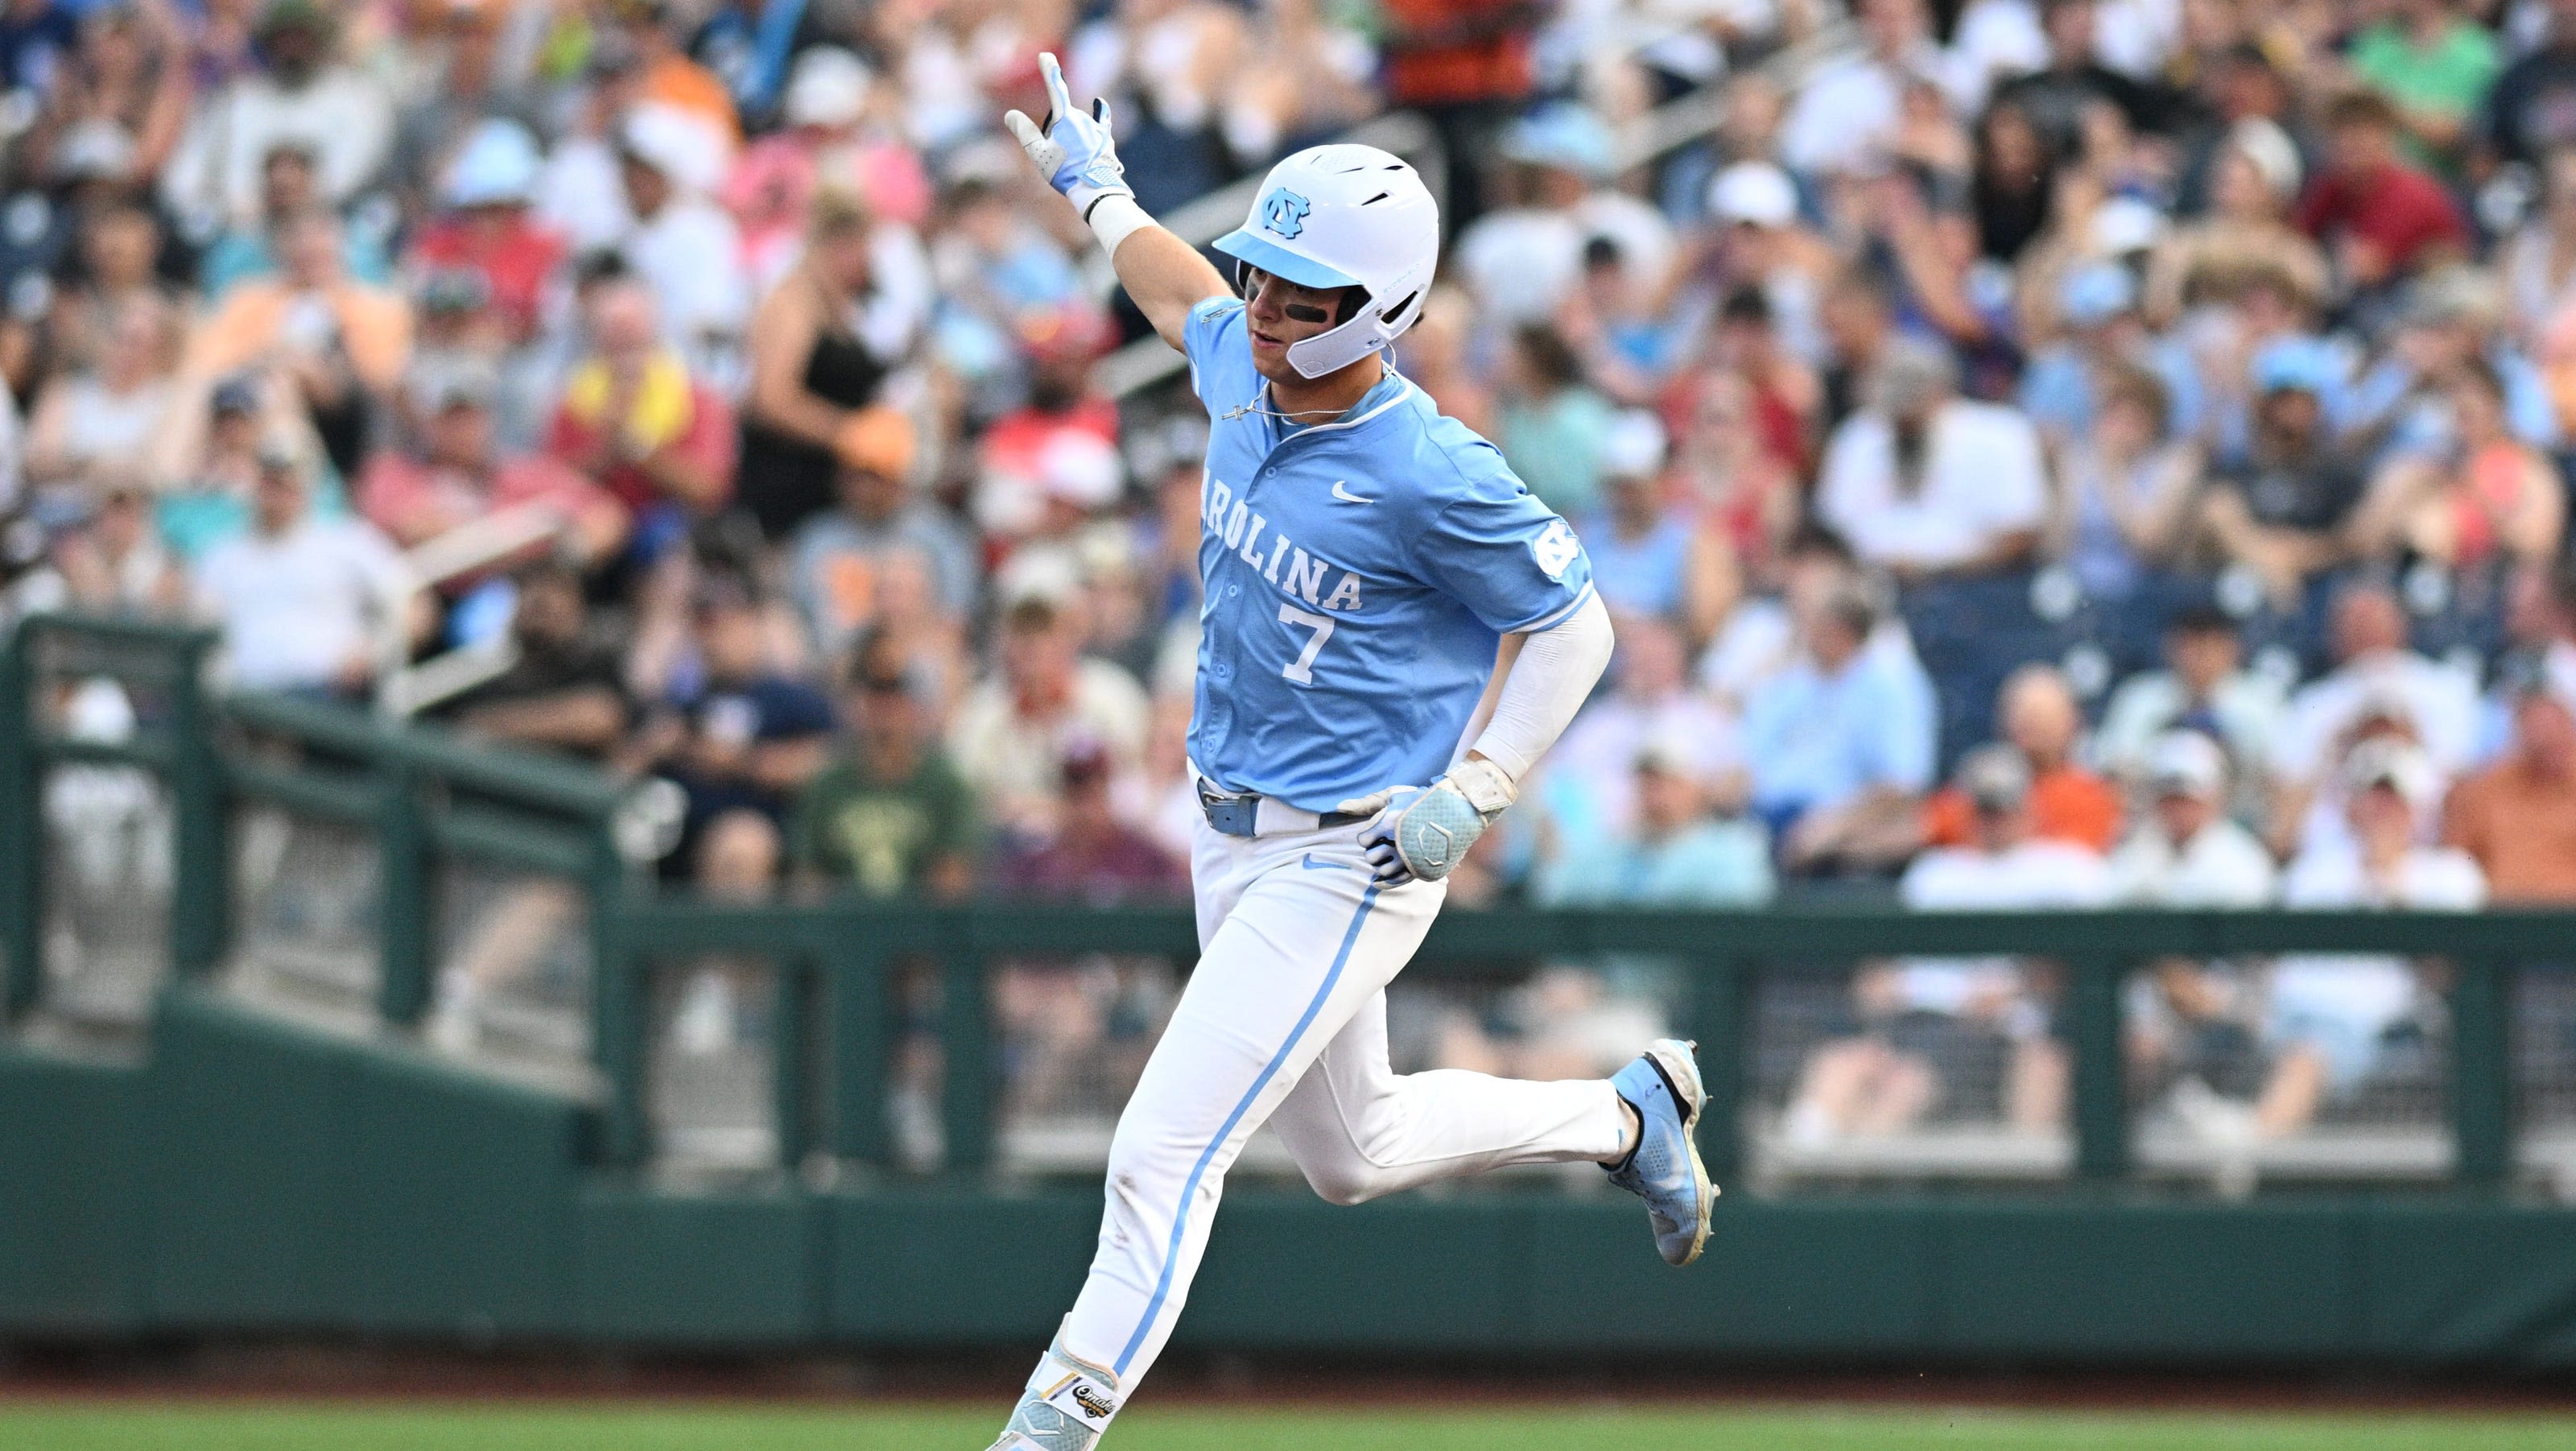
x,y
1163,275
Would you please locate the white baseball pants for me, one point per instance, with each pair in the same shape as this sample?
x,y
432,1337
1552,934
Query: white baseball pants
x,y
1284,1021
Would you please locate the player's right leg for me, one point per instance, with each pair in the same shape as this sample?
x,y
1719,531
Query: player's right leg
x,y
1308,942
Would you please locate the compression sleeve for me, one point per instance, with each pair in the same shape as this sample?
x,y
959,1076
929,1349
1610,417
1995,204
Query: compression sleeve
x,y
1555,673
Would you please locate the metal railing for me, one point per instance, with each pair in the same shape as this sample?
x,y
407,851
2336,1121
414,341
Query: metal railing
x,y
842,960
424,801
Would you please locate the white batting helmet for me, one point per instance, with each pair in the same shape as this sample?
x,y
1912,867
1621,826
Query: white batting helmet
x,y
1345,216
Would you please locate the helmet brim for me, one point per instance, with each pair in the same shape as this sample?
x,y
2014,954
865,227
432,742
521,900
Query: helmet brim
x,y
1248,246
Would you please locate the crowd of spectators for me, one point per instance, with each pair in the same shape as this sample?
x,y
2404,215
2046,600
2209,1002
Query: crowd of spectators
x,y
2149,417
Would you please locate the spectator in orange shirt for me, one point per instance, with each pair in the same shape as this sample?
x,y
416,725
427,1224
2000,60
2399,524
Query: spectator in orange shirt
x,y
1466,66
2517,818
2067,802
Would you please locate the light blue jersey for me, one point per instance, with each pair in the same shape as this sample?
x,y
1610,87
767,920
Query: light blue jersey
x,y
1359,574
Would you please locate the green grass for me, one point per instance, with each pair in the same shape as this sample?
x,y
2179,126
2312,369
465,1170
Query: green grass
x,y
139,1426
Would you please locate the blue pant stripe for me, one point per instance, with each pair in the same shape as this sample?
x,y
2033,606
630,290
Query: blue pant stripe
x,y
1190,1189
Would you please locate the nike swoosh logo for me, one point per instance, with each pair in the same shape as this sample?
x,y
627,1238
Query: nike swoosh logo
x,y
1346,496
1313,865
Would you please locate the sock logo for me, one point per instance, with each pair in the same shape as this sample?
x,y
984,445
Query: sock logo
x,y
1083,1400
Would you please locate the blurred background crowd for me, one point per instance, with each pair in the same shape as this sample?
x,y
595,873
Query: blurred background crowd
x,y
2038,452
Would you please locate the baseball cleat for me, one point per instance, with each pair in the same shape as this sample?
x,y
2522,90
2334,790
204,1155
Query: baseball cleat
x,y
1663,1169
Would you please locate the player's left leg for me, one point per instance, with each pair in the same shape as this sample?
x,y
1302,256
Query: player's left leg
x,y
1359,1129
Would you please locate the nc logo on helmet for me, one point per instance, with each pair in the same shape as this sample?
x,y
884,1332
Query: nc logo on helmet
x,y
1284,212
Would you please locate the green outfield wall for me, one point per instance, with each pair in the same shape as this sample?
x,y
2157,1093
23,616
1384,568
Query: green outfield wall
x,y
228,1170
249,1176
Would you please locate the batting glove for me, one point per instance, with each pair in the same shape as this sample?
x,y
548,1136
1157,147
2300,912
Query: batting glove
x,y
1423,832
1075,151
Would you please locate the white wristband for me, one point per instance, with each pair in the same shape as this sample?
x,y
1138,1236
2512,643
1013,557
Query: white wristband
x,y
1114,218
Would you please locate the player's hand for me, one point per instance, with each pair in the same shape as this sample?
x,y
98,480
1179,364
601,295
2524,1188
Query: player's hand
x,y
1423,832
1074,151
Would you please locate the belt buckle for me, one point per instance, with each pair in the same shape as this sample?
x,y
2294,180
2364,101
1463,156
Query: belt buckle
x,y
1230,815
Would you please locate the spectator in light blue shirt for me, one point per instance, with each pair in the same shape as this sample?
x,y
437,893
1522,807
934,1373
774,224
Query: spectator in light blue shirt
x,y
1839,745
1676,855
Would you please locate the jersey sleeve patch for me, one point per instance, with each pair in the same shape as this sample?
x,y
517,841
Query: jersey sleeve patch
x,y
1508,558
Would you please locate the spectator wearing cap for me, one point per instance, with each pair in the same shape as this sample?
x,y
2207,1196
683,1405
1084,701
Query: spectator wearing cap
x,y
2379,218
2190,1019
455,333
2331,1018
837,561
682,244
564,690
455,73
336,343
2186,851
2041,723
457,473
1839,743
1051,463
1762,244
734,729
889,816
1653,558
2097,307
1954,1033
2204,687
1927,484
288,188
485,224
1669,851
2517,818
208,466
306,604
633,419
1090,856
2375,675
1010,732
813,373
2489,497
2254,177
2279,510
302,96
1523,260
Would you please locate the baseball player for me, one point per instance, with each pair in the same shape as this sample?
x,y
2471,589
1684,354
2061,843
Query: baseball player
x,y
1355,728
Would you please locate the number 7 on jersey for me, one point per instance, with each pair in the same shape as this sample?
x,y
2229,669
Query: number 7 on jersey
x,y
1302,669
